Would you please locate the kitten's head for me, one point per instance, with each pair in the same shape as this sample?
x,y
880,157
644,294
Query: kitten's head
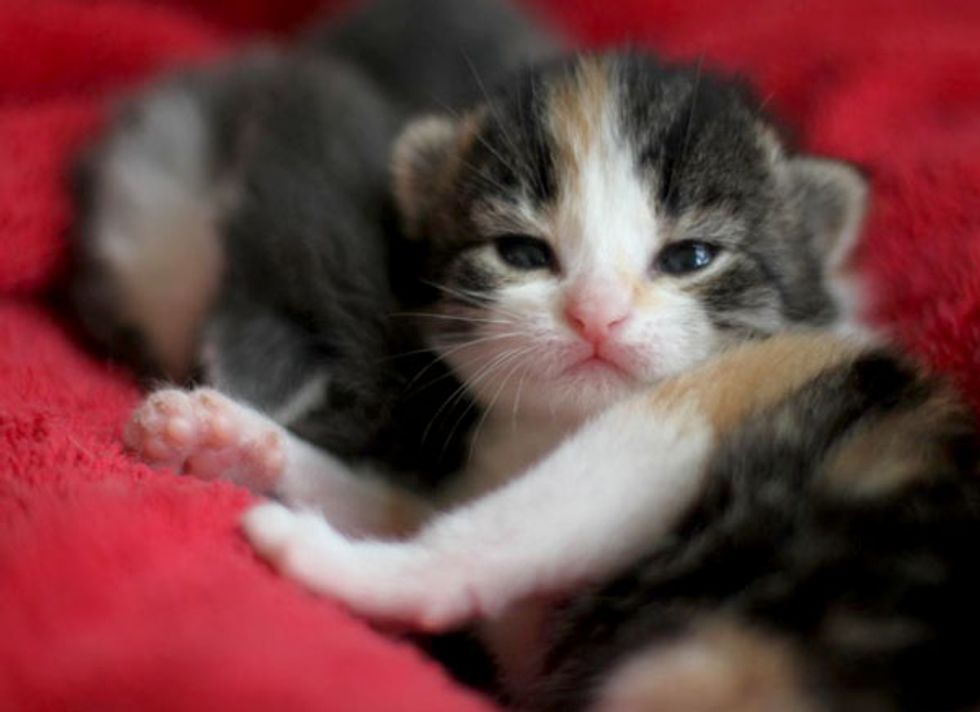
x,y
608,221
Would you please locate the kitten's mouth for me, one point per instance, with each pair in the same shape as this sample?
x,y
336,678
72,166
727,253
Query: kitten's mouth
x,y
597,364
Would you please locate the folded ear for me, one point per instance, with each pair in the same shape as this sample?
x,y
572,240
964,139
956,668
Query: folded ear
x,y
422,162
832,198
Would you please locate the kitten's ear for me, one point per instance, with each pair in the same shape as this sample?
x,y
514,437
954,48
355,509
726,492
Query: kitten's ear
x,y
422,159
833,198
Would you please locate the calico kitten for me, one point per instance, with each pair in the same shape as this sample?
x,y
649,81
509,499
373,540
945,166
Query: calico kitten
x,y
235,224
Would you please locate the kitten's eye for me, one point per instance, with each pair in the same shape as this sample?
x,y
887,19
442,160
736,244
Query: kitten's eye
x,y
686,256
524,252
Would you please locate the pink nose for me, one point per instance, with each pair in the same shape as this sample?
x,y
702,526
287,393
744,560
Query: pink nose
x,y
595,316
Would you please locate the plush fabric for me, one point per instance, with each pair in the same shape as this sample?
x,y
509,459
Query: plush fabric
x,y
124,587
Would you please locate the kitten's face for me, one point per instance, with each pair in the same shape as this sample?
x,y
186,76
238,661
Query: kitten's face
x,y
610,222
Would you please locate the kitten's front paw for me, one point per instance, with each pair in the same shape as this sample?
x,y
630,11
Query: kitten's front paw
x,y
296,543
388,582
204,434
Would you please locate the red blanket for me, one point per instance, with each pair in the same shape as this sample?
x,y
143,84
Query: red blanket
x,y
123,587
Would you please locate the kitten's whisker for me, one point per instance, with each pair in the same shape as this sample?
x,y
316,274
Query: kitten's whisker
x,y
441,354
540,142
493,401
498,119
428,384
405,354
474,299
434,349
471,297
687,130
459,116
517,400
451,317
457,346
463,389
498,365
450,373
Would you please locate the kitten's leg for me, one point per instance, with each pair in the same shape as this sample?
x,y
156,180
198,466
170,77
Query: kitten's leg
x,y
207,435
600,500
587,510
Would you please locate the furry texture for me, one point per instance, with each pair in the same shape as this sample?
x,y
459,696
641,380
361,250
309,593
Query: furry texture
x,y
898,100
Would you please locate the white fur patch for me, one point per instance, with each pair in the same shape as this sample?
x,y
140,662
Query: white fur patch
x,y
587,510
157,207
302,401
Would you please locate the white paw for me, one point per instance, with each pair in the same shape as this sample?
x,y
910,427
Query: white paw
x,y
389,582
299,544
204,434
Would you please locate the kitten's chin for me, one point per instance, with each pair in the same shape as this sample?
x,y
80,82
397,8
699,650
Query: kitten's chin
x,y
597,384
572,395
595,367
584,389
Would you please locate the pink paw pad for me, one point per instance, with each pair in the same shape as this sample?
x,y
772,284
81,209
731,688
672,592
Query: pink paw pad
x,y
204,434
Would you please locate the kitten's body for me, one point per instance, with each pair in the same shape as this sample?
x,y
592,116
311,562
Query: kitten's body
x,y
614,242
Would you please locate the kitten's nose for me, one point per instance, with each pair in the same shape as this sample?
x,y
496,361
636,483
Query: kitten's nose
x,y
595,313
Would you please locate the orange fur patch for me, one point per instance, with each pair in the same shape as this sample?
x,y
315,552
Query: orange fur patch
x,y
721,667
755,375
576,107
897,449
